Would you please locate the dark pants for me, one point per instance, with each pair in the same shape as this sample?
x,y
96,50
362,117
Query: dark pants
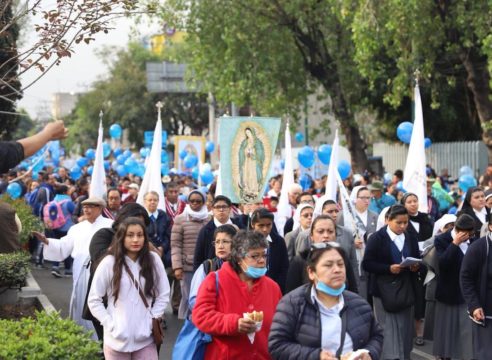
x,y
175,289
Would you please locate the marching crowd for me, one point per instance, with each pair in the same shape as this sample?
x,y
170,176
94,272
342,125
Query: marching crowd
x,y
248,289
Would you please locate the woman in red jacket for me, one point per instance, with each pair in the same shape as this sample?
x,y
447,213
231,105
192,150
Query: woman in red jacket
x,y
243,288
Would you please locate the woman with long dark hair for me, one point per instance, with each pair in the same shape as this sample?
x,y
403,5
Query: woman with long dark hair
x,y
128,274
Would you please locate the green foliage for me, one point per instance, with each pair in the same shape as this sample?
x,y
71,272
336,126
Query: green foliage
x,y
124,99
14,268
29,222
46,337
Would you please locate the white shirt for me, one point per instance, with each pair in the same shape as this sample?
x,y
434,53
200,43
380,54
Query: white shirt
x,y
218,223
481,215
362,216
331,326
156,214
399,240
416,226
128,323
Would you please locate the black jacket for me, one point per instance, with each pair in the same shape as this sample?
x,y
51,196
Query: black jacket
x,y
160,235
278,261
204,249
296,327
378,258
426,226
450,257
298,276
473,275
478,223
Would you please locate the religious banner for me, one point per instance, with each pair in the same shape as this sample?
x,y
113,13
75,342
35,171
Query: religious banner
x,y
194,145
247,147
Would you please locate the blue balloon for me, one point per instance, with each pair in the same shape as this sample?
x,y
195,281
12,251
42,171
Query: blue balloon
x,y
106,150
140,170
305,181
117,152
195,172
466,181
324,153
204,190
210,147
144,152
299,136
164,169
90,170
127,153
399,186
206,176
387,178
182,154
404,132
282,164
107,165
306,156
131,165
190,160
183,197
14,190
466,170
344,169
164,156
82,161
115,131
121,170
75,172
114,165
121,159
91,154
427,143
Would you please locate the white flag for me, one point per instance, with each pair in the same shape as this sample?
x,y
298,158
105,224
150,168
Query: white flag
x,y
331,180
414,177
152,177
284,210
98,178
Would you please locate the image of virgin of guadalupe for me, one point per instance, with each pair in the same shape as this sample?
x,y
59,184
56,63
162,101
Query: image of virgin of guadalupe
x,y
251,158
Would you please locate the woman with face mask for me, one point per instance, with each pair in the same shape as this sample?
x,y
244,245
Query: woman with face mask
x,y
385,251
322,320
227,297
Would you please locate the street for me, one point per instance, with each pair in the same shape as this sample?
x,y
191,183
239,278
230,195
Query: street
x,y
58,291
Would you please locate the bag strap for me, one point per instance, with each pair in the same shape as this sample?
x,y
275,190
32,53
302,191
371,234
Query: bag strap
x,y
217,283
137,286
343,315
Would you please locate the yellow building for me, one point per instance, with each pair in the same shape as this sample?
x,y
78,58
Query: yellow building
x,y
159,42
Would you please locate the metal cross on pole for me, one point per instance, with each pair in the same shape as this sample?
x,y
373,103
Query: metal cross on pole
x,y
159,106
416,73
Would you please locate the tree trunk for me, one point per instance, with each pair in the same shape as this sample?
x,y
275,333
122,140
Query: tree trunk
x,y
478,80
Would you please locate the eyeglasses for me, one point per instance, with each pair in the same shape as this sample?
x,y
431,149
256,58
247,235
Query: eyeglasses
x,y
310,215
195,201
324,245
221,242
258,257
221,207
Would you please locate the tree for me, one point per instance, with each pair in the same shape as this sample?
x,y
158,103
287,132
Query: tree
x,y
10,86
449,41
124,99
272,54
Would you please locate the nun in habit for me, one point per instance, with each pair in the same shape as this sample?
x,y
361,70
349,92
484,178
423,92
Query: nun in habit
x,y
76,243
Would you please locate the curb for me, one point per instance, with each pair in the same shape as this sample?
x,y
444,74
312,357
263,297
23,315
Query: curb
x,y
31,293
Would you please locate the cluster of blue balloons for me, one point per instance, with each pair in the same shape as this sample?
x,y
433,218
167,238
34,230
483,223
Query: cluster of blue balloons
x,y
305,181
190,160
466,179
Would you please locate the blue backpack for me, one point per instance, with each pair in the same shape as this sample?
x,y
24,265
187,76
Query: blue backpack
x,y
191,342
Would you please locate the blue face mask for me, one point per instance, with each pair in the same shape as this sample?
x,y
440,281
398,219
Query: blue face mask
x,y
321,286
254,272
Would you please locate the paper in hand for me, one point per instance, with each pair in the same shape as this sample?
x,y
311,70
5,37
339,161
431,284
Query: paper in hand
x,y
409,261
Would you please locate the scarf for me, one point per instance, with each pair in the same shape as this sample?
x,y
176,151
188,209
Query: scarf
x,y
297,215
201,214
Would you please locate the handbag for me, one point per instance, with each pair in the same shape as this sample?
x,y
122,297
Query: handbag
x,y
191,342
396,291
157,323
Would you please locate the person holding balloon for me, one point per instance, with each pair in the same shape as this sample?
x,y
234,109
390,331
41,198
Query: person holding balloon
x,y
474,205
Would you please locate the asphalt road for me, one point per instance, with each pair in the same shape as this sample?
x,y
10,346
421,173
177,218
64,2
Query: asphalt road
x,y
58,290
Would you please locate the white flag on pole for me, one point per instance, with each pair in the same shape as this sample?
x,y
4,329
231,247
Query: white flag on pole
x,y
414,177
331,180
98,179
284,210
152,177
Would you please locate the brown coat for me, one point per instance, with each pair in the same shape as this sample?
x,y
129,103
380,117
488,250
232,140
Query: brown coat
x,y
184,234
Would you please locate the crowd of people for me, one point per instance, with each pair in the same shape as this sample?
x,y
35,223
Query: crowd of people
x,y
311,290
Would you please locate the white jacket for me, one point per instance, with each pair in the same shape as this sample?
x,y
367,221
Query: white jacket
x,y
128,323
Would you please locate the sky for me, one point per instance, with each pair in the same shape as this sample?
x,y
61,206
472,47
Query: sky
x,y
75,74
